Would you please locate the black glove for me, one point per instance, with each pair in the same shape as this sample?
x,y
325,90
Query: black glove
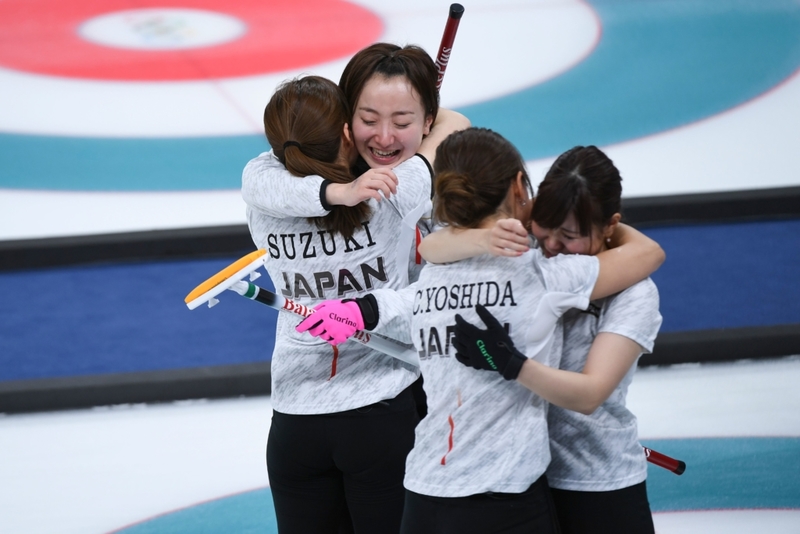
x,y
490,349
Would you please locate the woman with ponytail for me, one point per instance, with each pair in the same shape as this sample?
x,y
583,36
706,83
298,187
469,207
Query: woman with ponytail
x,y
480,456
343,417
598,472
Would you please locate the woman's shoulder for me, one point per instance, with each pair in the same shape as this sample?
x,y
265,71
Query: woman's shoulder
x,y
265,158
416,164
644,290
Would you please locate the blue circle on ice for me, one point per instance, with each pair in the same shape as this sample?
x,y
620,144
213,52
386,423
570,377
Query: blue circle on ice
x,y
713,479
658,65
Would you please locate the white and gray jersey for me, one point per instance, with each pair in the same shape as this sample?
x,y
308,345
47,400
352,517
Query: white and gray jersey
x,y
601,451
309,264
286,196
483,433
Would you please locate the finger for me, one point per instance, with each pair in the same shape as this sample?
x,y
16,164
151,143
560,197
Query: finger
x,y
487,317
463,326
468,331
465,329
308,323
383,187
390,178
513,241
386,171
318,330
508,250
385,175
367,191
514,226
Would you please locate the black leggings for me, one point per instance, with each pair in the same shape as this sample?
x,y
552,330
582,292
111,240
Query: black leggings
x,y
529,512
341,472
604,512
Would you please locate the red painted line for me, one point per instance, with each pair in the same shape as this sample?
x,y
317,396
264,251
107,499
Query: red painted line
x,y
43,37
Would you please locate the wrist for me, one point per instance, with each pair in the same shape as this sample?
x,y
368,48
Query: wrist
x,y
514,365
368,306
325,195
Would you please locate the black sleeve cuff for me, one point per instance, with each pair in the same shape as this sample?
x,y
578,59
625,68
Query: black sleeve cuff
x,y
322,199
430,169
369,311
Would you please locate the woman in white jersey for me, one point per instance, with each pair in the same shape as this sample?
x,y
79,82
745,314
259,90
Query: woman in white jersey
x,y
343,418
598,471
392,94
480,455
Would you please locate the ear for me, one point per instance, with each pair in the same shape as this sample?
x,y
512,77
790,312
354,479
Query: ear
x,y
426,129
346,135
611,227
520,190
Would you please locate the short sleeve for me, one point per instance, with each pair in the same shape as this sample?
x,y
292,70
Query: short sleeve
x,y
570,273
634,314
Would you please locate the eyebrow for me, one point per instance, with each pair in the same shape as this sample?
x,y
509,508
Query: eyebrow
x,y
370,110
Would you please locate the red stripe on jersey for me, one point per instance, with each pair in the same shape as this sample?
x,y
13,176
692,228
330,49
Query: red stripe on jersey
x,y
333,362
449,438
416,249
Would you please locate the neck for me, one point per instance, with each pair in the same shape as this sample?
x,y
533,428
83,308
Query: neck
x,y
491,220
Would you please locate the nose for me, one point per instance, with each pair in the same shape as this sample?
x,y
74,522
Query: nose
x,y
552,244
384,136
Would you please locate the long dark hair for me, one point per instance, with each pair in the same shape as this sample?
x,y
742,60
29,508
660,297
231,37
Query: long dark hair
x,y
304,121
474,170
582,181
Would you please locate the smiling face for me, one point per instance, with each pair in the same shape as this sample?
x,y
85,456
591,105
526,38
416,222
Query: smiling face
x,y
566,239
389,121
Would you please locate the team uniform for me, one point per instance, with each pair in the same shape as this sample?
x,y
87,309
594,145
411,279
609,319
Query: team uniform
x,y
424,227
480,455
598,468
343,416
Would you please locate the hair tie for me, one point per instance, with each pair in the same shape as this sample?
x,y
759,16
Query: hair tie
x,y
291,143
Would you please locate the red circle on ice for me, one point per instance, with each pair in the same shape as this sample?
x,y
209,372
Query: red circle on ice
x,y
44,37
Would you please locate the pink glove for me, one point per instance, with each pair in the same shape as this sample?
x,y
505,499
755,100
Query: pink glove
x,y
334,321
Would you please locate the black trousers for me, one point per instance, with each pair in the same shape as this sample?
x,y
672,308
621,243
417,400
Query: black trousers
x,y
342,472
530,512
604,512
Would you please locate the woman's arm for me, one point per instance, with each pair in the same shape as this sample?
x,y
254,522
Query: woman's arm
x,y
609,360
447,122
268,187
633,258
371,184
271,189
506,238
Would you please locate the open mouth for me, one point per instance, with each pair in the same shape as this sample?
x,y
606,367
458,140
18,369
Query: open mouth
x,y
383,154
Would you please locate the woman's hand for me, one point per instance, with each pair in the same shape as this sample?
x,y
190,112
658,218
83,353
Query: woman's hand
x,y
334,321
371,184
490,349
508,237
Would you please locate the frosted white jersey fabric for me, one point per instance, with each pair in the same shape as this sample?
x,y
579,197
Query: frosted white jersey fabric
x,y
483,433
308,265
601,451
